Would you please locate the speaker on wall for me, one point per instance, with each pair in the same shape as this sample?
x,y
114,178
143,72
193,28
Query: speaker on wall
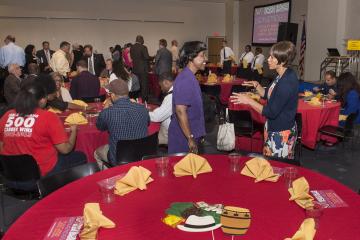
x,y
287,32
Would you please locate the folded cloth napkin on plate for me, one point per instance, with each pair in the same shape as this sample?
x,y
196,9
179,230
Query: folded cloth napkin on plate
x,y
54,110
192,165
136,178
260,169
80,103
300,193
76,119
342,117
93,220
315,101
306,231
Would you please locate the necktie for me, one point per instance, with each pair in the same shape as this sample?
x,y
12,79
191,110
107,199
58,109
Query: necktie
x,y
254,62
91,68
224,55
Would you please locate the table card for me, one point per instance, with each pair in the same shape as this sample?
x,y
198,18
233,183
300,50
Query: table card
x,y
65,228
329,198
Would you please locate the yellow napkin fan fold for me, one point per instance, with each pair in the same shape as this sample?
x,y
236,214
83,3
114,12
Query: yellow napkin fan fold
x,y
192,165
54,110
136,178
76,119
306,231
93,220
300,193
260,169
79,102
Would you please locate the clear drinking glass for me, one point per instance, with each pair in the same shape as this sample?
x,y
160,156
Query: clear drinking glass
x,y
98,104
234,162
314,210
107,190
162,166
290,174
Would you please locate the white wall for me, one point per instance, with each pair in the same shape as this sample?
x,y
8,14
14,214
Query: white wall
x,y
200,19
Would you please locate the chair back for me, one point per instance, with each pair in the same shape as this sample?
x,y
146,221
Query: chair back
x,y
278,159
349,123
133,150
19,168
243,122
298,120
182,154
92,99
51,183
239,88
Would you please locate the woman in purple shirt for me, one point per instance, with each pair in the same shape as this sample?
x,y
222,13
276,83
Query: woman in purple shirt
x,y
187,125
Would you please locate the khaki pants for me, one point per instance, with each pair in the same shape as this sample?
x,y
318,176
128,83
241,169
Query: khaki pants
x,y
163,136
101,154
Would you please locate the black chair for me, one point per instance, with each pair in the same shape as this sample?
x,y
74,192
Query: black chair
x,y
243,124
298,146
92,99
164,155
51,183
21,169
295,161
239,88
128,151
342,133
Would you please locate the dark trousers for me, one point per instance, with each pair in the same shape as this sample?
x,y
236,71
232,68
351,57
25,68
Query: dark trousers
x,y
64,162
144,84
226,67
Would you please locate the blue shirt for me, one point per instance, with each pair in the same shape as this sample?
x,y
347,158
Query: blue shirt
x,y
124,120
281,108
11,53
352,105
186,91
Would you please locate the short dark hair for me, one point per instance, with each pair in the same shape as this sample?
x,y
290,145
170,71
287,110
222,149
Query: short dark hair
x,y
224,41
10,38
139,39
284,52
88,46
82,63
27,100
189,51
28,49
346,83
331,73
64,44
166,76
248,46
44,42
33,68
259,49
163,42
47,82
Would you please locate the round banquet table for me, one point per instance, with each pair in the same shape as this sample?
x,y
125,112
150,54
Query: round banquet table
x,y
138,214
225,87
154,86
89,138
313,118
215,69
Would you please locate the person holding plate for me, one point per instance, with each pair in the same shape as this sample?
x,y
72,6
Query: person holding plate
x,y
280,130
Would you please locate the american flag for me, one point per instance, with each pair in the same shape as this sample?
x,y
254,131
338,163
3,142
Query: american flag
x,y
302,52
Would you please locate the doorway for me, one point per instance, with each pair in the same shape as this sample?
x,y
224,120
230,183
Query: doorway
x,y
214,46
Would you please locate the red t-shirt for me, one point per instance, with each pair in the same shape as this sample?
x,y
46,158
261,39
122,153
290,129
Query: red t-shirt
x,y
35,134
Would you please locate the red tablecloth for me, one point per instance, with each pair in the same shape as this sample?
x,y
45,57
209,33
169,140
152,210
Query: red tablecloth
x,y
313,118
138,214
89,138
216,69
154,86
225,87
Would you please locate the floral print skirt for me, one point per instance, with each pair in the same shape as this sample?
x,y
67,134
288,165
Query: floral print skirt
x,y
280,144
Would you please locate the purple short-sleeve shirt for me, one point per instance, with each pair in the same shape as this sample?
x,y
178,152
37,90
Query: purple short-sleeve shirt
x,y
186,92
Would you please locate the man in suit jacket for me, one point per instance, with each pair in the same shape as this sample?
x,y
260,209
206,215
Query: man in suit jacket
x,y
96,62
45,55
140,57
12,83
163,59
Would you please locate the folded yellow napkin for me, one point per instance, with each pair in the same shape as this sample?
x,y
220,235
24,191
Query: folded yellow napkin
x,y
308,94
259,68
245,64
136,178
192,165
315,101
93,220
260,169
306,231
227,78
300,193
79,102
76,119
212,78
342,117
54,110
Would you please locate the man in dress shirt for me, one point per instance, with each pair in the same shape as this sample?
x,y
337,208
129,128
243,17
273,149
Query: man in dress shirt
x,y
45,55
59,61
85,84
257,65
245,61
123,119
12,83
226,56
95,61
11,53
175,55
163,58
163,113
